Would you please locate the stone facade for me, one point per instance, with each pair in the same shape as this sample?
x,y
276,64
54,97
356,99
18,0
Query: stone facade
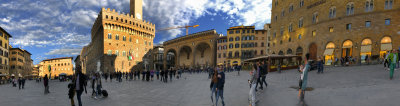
x,y
335,28
222,47
244,42
118,42
196,50
57,66
4,52
20,62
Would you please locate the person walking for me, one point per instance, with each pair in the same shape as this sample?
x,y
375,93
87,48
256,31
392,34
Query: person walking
x,y
79,83
166,76
19,83
162,75
253,84
170,74
304,77
320,65
220,86
213,85
158,74
260,68
23,82
98,85
46,84
393,57
264,73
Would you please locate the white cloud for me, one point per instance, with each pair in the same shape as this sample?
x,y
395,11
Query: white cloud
x,y
83,18
169,13
64,52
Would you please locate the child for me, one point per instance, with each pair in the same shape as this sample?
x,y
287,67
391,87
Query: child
x,y
71,93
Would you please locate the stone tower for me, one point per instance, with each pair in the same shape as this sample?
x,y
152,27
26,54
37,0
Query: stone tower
x,y
136,8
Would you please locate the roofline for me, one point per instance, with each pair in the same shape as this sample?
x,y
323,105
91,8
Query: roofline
x,y
59,58
1,28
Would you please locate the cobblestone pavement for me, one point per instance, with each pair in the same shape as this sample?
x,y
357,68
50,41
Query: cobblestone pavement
x,y
338,86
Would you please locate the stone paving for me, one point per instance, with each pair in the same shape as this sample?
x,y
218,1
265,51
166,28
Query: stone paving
x,y
338,86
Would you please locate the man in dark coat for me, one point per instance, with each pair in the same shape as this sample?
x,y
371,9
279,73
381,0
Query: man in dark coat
x,y
80,84
46,84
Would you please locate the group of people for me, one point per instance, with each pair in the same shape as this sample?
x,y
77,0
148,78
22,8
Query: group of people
x,y
217,85
257,77
20,81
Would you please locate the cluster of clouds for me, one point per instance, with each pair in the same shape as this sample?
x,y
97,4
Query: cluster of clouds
x,y
169,13
66,24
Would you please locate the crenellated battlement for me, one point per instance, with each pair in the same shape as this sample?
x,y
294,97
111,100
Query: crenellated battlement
x,y
130,17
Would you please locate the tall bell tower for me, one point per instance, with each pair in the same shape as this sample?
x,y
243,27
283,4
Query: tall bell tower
x,y
136,8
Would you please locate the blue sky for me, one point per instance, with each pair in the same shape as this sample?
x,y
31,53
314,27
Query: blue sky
x,y
60,28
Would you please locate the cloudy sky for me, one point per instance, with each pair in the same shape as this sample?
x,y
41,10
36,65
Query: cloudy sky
x,y
59,28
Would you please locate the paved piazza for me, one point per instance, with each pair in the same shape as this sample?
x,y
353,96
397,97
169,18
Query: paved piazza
x,y
338,86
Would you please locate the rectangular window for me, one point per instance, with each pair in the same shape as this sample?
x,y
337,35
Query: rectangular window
x,y
330,29
300,23
290,28
367,24
290,8
109,36
348,26
315,18
387,21
301,4
314,33
106,16
1,34
282,31
388,4
230,32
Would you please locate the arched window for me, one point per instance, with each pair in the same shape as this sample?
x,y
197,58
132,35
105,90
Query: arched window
x,y
350,9
230,45
369,5
332,12
230,39
237,39
289,51
116,37
280,53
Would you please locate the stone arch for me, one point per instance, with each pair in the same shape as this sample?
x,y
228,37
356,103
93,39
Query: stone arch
x,y
202,55
347,48
281,53
171,58
289,51
299,51
185,56
386,45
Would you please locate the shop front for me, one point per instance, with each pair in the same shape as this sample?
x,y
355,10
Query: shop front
x,y
328,53
366,49
386,46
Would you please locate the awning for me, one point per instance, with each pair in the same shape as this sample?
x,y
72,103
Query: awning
x,y
366,49
328,52
386,47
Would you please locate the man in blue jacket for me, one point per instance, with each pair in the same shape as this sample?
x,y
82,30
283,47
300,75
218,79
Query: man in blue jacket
x,y
220,86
